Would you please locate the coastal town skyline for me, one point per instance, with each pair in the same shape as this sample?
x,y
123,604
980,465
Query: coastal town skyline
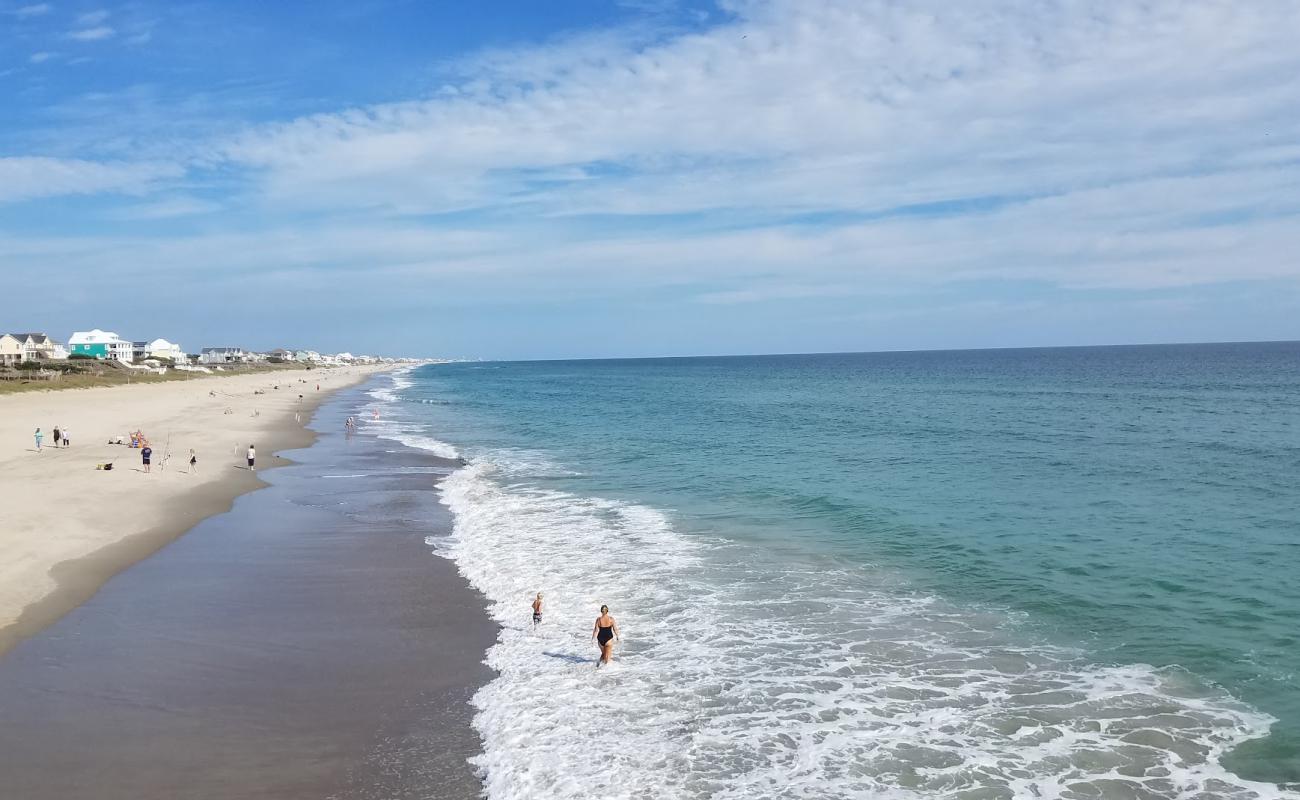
x,y
653,178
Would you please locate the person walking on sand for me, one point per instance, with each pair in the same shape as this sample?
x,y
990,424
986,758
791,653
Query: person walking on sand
x,y
604,633
40,437
194,462
67,442
146,456
252,458
537,610
56,436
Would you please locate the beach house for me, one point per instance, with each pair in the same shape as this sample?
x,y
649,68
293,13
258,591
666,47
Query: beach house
x,y
161,348
103,345
37,346
223,355
11,350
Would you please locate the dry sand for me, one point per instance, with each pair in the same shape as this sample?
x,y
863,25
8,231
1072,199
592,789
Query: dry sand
x,y
66,528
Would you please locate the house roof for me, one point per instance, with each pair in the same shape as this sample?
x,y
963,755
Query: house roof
x,y
223,349
93,337
38,338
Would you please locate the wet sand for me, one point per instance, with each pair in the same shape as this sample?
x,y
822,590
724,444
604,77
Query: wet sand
x,y
305,644
66,527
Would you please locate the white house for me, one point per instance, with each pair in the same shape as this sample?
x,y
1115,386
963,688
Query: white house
x,y
37,346
11,350
161,348
104,345
223,355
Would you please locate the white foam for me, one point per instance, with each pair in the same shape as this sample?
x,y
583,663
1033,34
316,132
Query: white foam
x,y
393,427
743,676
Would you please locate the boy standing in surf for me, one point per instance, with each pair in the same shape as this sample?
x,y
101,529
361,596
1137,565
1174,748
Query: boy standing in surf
x,y
537,611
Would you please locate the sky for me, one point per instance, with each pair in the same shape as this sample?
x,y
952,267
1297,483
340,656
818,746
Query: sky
x,y
595,178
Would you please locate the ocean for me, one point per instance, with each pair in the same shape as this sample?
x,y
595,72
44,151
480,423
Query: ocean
x,y
1047,573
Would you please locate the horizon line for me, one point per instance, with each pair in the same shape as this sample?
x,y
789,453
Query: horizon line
x,y
873,352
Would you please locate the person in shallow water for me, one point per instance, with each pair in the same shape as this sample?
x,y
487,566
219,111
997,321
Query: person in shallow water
x,y
537,610
604,634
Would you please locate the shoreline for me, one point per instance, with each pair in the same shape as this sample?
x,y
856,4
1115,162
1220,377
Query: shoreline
x,y
44,587
305,645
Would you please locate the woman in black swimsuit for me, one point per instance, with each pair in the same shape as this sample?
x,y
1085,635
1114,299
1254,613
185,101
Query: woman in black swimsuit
x,y
604,633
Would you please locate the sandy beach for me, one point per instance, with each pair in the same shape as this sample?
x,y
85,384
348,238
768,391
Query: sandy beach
x,y
305,645
67,527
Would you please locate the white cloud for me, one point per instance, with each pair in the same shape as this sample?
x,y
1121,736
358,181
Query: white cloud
x,y
166,208
806,151
25,178
91,18
1096,141
33,10
40,58
92,34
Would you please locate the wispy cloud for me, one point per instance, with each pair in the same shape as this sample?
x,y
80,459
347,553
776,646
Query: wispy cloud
x,y
25,178
166,208
40,58
804,150
92,34
92,17
33,10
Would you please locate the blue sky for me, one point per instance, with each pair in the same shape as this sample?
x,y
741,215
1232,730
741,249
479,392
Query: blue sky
x,y
597,178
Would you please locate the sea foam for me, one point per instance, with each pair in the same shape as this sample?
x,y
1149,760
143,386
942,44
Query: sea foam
x,y
744,674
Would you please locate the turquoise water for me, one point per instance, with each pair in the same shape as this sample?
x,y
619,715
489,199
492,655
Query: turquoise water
x,y
1132,505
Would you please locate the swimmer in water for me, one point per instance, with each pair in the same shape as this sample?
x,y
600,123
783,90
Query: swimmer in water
x,y
537,610
604,633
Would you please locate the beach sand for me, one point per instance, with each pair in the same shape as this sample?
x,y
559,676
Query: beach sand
x,y
306,645
66,527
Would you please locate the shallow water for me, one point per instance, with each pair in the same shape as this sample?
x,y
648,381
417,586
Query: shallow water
x,y
1052,573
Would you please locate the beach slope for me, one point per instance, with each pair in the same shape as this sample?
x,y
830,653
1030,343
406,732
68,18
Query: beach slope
x,y
66,527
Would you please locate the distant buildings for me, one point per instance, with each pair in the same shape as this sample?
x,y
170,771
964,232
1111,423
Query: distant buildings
x,y
223,355
11,350
39,347
103,345
16,348
19,347
163,349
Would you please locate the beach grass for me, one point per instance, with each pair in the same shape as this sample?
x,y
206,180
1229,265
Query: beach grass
x,y
95,374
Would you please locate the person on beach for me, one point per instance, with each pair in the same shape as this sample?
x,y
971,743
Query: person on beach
x,y
56,436
40,437
194,461
252,458
146,456
537,610
67,442
604,633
